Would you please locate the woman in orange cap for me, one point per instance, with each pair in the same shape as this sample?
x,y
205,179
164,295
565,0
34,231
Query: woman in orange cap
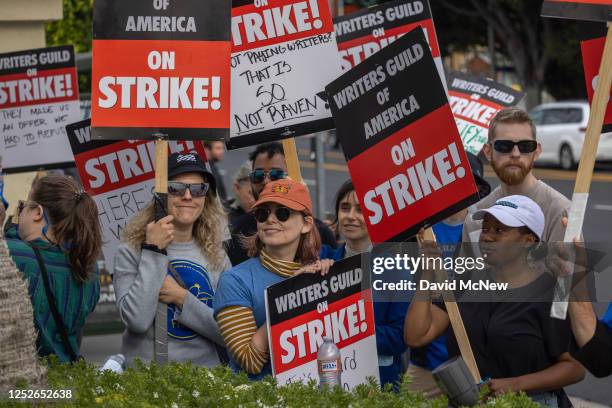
x,y
286,240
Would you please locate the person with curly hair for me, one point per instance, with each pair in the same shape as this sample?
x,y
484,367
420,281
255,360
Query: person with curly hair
x,y
176,260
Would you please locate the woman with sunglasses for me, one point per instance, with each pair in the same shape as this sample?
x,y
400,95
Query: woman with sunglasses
x,y
176,260
516,343
388,316
285,241
56,246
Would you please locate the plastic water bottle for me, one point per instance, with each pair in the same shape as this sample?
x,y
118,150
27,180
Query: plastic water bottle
x,y
114,363
329,364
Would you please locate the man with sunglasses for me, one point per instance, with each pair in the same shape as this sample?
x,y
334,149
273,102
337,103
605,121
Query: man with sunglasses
x,y
268,165
512,149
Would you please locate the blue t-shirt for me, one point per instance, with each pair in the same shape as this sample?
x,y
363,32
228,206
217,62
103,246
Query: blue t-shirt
x,y
244,285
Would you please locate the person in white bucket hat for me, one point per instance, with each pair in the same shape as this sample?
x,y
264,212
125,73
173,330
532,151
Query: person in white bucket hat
x,y
516,344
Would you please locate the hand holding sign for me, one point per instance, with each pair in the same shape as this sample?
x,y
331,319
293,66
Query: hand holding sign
x,y
160,233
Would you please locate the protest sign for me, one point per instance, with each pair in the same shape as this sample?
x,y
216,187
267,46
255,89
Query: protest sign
x,y
592,51
283,54
302,310
120,177
474,102
161,67
364,32
400,140
592,10
39,96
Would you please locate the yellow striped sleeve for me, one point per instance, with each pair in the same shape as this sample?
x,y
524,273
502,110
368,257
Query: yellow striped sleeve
x,y
237,326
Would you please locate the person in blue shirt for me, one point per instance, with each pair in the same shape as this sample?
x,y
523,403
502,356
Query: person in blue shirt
x,y
388,316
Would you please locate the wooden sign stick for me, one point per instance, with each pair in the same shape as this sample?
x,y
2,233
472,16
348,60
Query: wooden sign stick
x,y
457,322
585,170
160,345
292,160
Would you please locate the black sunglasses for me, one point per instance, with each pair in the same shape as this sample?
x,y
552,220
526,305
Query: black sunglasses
x,y
176,188
506,146
259,175
20,206
261,214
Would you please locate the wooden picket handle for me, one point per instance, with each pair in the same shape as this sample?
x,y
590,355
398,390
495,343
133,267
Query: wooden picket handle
x,y
292,160
457,323
585,168
160,344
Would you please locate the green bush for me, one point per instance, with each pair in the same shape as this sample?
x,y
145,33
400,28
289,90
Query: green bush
x,y
184,385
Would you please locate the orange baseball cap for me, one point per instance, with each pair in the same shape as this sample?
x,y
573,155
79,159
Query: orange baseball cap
x,y
286,192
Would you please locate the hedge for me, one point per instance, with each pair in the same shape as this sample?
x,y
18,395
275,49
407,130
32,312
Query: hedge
x,y
184,385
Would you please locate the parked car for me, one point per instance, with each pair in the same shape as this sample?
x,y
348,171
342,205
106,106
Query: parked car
x,y
560,130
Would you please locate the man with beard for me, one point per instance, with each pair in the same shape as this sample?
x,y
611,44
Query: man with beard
x,y
512,149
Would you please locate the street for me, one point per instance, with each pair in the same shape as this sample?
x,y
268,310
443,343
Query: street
x,y
597,227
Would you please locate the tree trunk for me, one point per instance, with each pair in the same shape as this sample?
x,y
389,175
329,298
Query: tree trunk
x,y
533,95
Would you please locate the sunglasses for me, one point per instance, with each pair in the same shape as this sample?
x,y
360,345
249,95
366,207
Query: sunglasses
x,y
258,176
178,189
261,214
506,146
21,206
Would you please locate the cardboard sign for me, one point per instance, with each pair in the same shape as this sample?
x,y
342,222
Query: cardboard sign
x,y
591,10
283,54
39,96
365,32
120,177
302,310
474,102
592,51
400,140
161,67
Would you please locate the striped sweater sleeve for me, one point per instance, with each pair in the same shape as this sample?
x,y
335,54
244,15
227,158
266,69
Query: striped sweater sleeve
x,y
237,326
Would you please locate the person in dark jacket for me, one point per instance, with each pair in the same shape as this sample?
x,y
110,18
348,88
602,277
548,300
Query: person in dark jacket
x,y
268,165
388,316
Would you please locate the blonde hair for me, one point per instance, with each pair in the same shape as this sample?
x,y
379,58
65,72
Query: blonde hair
x,y
511,116
206,230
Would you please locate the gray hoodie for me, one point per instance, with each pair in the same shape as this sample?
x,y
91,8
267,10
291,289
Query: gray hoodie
x,y
192,331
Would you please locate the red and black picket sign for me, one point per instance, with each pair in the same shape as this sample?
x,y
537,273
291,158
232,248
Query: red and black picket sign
x,y
592,51
400,140
161,67
39,95
301,311
590,10
366,31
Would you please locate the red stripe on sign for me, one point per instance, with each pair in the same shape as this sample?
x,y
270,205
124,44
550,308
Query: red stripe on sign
x,y
412,175
592,52
46,86
161,83
295,341
358,49
278,21
477,111
124,163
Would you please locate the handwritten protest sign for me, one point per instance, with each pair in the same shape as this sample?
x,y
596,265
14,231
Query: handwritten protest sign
x,y
365,32
120,177
283,54
592,10
592,50
39,96
302,310
400,140
161,67
474,102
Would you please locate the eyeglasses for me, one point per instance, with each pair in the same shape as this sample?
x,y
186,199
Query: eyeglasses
x,y
178,189
258,176
20,206
506,146
261,214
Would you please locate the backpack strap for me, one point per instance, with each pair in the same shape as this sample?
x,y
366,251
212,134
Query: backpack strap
x,y
53,305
